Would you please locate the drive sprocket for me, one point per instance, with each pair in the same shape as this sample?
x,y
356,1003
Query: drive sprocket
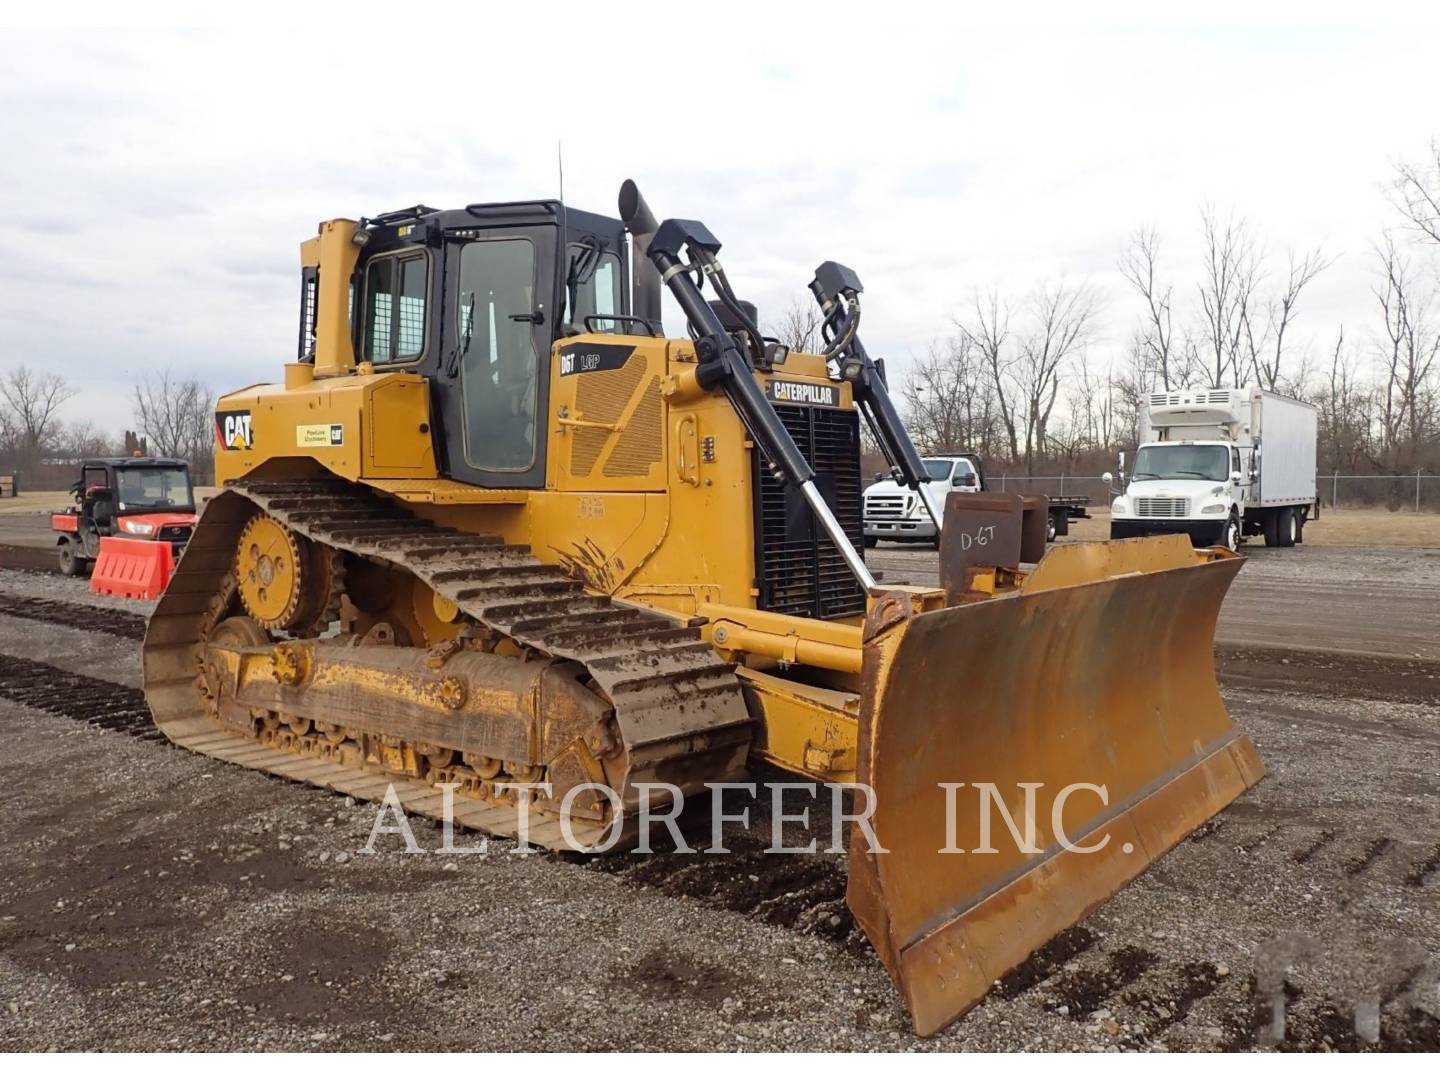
x,y
286,581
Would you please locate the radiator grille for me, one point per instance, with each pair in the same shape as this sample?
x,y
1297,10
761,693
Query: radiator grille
x,y
892,507
798,570
1162,508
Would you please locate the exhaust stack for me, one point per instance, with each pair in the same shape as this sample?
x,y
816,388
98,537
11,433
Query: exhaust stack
x,y
645,279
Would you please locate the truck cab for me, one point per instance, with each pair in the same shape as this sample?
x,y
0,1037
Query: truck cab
x,y
1194,487
894,512
140,498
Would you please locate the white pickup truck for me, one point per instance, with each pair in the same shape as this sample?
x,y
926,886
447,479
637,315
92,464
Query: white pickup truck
x,y
894,512
1220,465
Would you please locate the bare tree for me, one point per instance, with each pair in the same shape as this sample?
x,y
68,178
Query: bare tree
x,y
1231,273
28,406
83,439
1416,193
1266,351
1059,322
1345,411
798,326
947,398
1409,345
1139,263
988,329
174,415
1091,407
1131,382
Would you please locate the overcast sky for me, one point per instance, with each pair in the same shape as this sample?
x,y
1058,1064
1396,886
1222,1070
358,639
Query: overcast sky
x,y
155,186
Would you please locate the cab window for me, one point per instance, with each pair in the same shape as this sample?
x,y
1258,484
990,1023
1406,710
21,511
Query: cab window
x,y
597,288
499,364
153,488
394,330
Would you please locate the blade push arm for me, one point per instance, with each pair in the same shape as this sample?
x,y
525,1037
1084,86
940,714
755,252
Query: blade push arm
x,y
837,289
723,365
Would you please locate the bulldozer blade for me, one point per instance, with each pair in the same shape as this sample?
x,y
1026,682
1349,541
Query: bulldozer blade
x,y
1087,696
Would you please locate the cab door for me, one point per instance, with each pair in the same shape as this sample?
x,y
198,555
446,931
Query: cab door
x,y
97,508
494,382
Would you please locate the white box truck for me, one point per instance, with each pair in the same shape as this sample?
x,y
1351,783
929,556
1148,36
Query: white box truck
x,y
1220,465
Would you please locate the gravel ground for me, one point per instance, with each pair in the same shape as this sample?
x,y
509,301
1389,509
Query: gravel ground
x,y
55,587
154,899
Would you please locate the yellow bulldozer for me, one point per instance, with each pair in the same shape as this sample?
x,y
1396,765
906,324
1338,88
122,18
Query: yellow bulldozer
x,y
498,545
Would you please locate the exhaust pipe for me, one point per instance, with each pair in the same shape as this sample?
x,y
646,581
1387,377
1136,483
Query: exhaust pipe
x,y
645,282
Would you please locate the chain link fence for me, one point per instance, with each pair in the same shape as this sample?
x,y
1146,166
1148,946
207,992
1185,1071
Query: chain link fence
x,y
1418,491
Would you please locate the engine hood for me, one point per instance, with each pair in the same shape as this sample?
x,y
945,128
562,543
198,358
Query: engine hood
x,y
887,487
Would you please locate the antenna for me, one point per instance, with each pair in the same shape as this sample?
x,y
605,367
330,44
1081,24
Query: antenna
x,y
560,164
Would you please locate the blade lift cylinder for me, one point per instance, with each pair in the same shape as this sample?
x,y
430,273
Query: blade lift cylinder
x,y
721,364
837,289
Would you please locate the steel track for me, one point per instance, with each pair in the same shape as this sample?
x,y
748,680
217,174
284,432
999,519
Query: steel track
x,y
679,709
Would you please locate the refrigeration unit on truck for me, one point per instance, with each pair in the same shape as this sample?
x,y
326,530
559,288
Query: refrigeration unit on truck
x,y
1220,465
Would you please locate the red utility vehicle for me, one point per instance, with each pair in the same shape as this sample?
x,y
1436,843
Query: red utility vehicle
x,y
136,498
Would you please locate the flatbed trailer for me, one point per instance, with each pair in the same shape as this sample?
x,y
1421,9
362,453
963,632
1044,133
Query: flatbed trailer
x,y
1064,509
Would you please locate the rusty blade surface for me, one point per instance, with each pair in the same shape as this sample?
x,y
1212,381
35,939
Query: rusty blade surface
x,y
1100,671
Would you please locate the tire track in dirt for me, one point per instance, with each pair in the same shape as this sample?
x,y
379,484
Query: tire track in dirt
x,y
122,624
95,702
1423,868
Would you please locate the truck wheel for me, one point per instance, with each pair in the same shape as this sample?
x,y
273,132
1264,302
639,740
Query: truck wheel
x,y
871,541
1230,535
1050,528
1270,526
71,565
1286,527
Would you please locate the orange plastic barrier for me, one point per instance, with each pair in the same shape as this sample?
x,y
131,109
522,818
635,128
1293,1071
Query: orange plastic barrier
x,y
139,569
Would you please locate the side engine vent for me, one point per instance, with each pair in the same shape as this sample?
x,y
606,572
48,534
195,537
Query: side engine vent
x,y
639,445
602,397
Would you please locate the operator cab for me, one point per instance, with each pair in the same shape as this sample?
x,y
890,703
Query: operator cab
x,y
474,300
116,487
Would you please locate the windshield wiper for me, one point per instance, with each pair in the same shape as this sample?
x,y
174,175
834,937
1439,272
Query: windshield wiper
x,y
1138,475
1192,472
